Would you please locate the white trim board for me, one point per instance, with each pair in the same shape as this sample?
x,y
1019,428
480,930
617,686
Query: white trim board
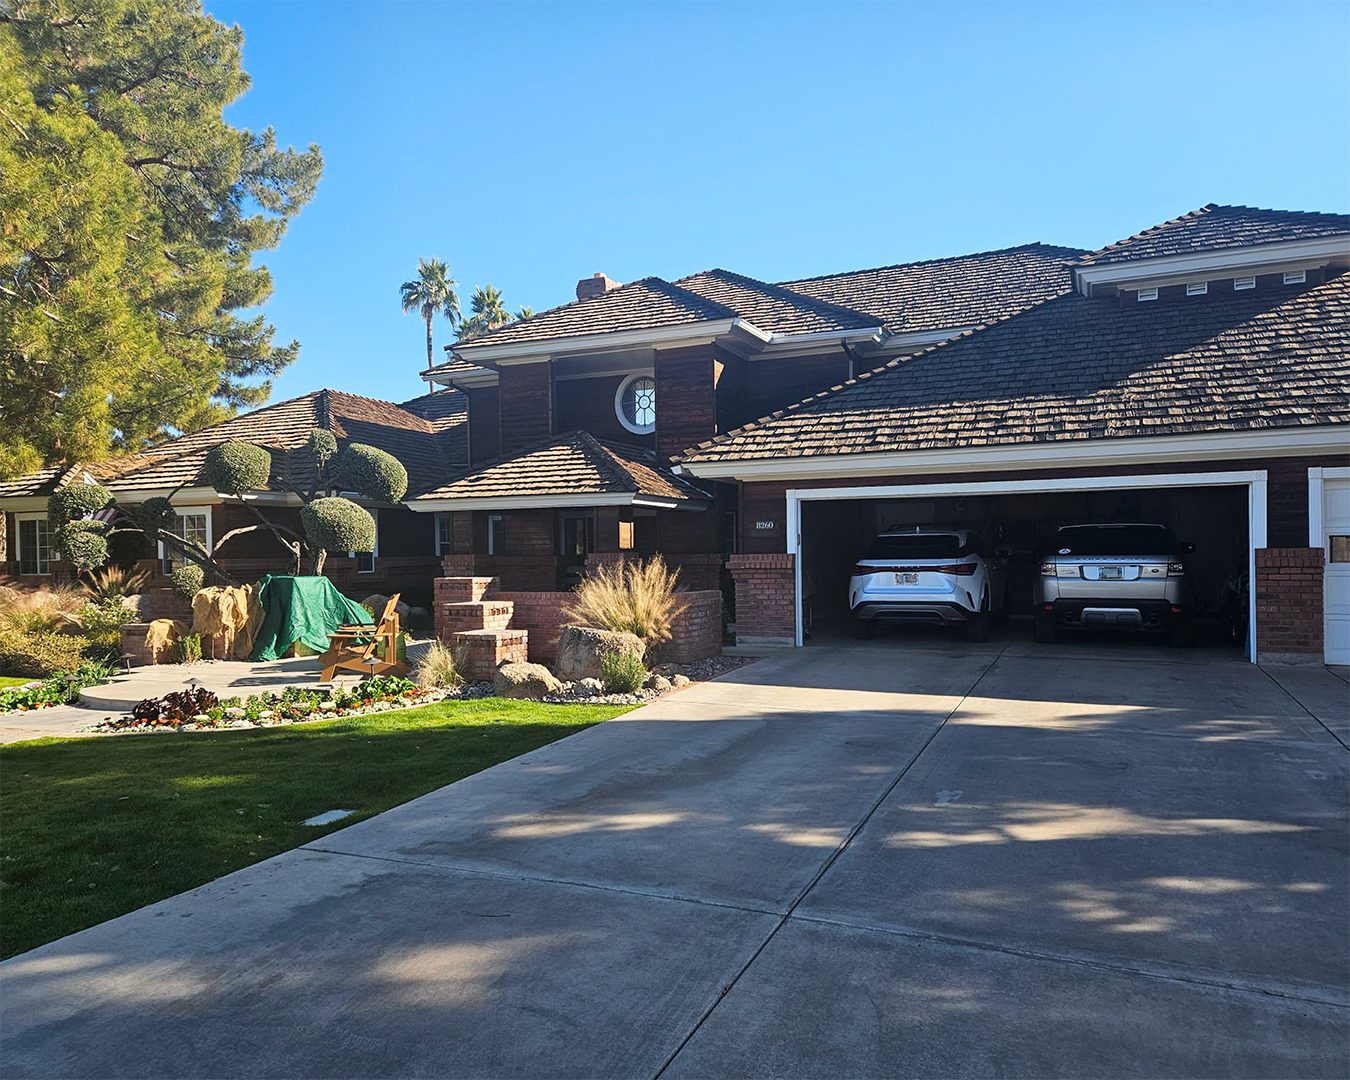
x,y
1063,453
548,502
1316,497
1253,480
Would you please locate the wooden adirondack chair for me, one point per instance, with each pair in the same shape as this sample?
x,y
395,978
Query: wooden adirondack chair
x,y
371,650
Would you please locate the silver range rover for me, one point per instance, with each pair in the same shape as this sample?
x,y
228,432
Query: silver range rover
x,y
1126,576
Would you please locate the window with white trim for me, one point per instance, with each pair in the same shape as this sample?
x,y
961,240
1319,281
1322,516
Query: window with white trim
x,y
35,546
1295,277
1197,288
635,404
443,533
193,525
365,560
496,537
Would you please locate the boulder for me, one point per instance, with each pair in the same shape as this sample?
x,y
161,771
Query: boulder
x,y
659,683
581,649
679,682
376,602
588,687
516,680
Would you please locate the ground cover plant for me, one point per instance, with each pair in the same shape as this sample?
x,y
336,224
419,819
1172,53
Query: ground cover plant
x,y
94,828
59,689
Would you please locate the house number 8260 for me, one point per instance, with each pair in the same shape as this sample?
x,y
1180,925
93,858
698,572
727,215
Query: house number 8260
x,y
765,525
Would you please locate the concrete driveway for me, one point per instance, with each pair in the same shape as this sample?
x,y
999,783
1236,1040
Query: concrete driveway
x,y
900,858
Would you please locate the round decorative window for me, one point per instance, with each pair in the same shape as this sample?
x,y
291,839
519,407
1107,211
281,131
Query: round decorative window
x,y
635,404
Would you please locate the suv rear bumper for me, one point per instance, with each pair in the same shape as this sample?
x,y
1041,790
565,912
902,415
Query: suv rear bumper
x,y
1114,613
920,611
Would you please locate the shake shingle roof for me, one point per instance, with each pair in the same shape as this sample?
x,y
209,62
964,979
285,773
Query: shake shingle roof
x,y
940,294
429,439
1214,227
1076,368
576,463
773,308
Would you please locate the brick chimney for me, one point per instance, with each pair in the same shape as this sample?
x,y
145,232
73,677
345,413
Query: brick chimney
x,y
595,285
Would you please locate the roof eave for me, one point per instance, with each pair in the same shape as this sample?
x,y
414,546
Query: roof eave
x,y
433,503
1229,259
525,352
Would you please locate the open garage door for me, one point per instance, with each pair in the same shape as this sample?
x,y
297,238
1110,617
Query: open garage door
x,y
1011,525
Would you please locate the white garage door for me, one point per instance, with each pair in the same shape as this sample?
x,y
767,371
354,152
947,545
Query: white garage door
x,y
1336,543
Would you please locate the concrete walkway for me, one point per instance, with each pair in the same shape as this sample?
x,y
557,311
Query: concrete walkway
x,y
880,860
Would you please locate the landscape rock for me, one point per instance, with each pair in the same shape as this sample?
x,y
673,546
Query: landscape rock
x,y
659,683
515,680
678,682
588,687
668,670
582,648
376,602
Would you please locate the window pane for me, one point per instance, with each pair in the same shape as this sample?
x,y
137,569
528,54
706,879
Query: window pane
x,y
35,556
639,402
191,527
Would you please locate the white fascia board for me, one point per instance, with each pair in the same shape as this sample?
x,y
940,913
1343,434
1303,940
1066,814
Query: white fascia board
x,y
920,339
21,504
1229,261
1068,453
526,352
478,377
521,502
781,345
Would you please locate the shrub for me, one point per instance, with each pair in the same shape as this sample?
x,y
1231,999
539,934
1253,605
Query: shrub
x,y
438,667
632,596
114,581
101,622
187,580
337,524
622,672
322,445
83,543
154,514
24,611
75,501
373,473
39,652
177,707
236,467
188,648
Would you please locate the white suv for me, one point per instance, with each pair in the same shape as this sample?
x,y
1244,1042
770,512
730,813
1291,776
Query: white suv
x,y
928,574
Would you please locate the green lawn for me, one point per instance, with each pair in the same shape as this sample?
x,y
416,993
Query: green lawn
x,y
12,680
92,828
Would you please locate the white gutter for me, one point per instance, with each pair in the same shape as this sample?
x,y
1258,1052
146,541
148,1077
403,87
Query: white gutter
x,y
1065,453
542,502
685,333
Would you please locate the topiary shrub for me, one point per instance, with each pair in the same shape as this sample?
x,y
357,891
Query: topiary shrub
x,y
187,580
372,473
322,445
337,524
236,467
75,501
83,543
154,514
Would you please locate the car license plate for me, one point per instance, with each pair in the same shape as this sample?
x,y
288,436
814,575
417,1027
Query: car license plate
x,y
1109,573
906,579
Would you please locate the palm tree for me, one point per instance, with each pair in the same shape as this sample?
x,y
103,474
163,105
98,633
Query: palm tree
x,y
488,312
525,312
433,290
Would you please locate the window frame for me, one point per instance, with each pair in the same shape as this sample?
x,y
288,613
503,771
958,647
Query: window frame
x,y
495,541
181,512
42,526
630,425
444,525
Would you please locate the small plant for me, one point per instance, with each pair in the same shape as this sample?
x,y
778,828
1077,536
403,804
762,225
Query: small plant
x,y
176,708
114,581
58,689
26,611
438,667
188,648
384,687
622,672
638,597
101,622
187,580
40,653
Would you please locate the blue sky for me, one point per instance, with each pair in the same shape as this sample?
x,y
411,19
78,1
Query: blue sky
x,y
530,145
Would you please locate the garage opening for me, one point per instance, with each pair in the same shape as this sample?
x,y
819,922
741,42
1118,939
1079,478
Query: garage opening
x,y
1014,532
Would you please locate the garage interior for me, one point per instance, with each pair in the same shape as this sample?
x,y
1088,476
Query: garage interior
x,y
836,533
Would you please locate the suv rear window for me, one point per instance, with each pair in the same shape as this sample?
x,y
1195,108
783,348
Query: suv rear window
x,y
917,546
1115,540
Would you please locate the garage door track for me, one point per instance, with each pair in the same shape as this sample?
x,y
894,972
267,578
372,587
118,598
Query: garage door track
x,y
891,859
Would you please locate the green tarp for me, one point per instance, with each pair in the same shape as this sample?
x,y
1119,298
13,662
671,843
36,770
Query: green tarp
x,y
304,609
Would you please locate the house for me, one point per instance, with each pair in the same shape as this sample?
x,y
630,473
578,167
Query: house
x,y
757,434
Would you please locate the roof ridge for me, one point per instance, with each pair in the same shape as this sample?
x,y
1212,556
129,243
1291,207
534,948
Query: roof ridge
x,y
933,262
791,295
856,380
608,461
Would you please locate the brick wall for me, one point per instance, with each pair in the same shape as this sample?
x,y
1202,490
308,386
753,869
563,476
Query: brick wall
x,y
765,592
696,633
526,404
686,399
541,614
1289,604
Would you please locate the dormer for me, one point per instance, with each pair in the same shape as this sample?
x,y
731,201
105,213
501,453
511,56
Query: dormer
x,y
1217,250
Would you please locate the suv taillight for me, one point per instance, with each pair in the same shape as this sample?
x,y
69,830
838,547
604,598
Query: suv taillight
x,y
1048,569
1176,569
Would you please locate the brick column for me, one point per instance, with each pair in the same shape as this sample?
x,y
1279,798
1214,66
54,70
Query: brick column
x,y
1289,605
765,593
